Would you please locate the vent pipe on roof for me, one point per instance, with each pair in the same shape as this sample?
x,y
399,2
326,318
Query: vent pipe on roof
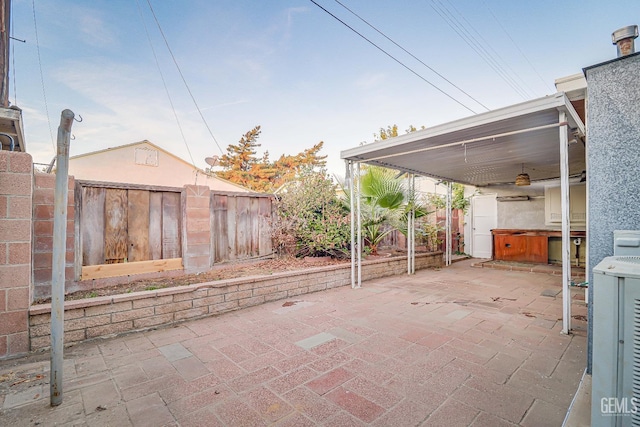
x,y
623,38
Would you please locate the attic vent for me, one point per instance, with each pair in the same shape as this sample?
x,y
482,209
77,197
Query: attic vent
x,y
146,157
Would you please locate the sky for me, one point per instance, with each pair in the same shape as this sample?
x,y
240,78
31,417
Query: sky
x,y
288,66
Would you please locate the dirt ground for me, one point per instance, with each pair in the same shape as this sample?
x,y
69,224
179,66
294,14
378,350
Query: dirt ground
x,y
221,272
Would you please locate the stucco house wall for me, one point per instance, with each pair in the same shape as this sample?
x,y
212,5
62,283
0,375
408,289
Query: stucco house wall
x,y
146,164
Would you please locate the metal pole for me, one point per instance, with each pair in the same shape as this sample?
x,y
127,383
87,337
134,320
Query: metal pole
x,y
566,225
359,231
59,251
353,224
5,18
447,227
411,222
409,225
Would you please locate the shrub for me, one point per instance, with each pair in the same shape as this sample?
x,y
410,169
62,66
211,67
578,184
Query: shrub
x,y
310,219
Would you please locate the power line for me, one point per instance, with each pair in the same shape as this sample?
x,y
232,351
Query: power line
x,y
394,58
535,70
410,54
459,29
44,92
183,79
164,83
508,68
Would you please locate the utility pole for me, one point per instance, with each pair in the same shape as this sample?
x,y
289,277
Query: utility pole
x,y
59,252
5,20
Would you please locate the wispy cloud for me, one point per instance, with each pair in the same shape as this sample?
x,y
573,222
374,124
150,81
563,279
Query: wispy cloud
x,y
370,81
93,28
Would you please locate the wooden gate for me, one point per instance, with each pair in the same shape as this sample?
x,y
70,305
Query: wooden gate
x,y
240,225
138,227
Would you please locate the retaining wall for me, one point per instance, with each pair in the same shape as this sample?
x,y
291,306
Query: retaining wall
x,y
106,316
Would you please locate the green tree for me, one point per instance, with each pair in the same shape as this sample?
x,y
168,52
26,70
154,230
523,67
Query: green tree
x,y
458,200
287,167
392,131
241,164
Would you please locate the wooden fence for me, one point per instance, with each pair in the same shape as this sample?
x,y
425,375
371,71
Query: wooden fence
x,y
120,223
240,225
130,229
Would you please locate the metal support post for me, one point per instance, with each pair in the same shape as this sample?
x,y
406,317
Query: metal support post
x,y
447,251
359,223
59,252
411,217
566,225
352,212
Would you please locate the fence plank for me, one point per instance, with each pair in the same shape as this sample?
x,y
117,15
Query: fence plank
x,y
220,234
264,238
138,225
130,268
155,225
243,224
115,226
171,213
92,224
254,218
231,227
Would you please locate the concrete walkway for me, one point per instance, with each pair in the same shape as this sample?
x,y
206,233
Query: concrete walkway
x,y
460,346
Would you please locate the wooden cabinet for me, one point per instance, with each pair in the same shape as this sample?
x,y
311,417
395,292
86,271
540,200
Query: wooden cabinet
x,y
525,247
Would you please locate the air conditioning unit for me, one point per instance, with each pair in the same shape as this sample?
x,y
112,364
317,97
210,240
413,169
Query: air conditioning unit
x,y
615,392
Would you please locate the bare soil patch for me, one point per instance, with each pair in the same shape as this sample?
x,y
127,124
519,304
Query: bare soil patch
x,y
221,272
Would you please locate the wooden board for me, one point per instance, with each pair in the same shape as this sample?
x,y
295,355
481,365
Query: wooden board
x,y
243,227
265,246
115,226
155,225
231,228
92,226
138,225
171,214
255,226
130,268
219,236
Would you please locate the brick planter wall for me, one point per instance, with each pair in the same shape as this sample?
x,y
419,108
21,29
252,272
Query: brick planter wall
x,y
104,316
15,251
43,201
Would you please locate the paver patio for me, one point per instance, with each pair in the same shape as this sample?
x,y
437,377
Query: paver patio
x,y
460,346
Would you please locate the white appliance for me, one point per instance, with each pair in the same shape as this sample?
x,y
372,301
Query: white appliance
x,y
615,400
626,242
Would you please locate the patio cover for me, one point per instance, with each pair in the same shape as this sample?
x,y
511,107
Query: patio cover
x,y
544,136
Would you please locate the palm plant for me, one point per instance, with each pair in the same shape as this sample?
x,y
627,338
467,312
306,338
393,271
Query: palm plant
x,y
382,196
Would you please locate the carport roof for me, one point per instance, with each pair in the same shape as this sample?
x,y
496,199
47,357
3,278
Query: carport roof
x,y
487,148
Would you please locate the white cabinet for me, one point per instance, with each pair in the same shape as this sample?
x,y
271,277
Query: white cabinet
x,y
577,205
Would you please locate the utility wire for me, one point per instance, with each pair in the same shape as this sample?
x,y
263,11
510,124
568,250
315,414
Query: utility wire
x,y
394,58
44,92
410,54
456,26
164,83
544,82
525,87
183,79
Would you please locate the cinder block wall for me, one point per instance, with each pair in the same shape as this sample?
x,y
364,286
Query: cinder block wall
x,y
43,200
15,251
196,230
111,315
